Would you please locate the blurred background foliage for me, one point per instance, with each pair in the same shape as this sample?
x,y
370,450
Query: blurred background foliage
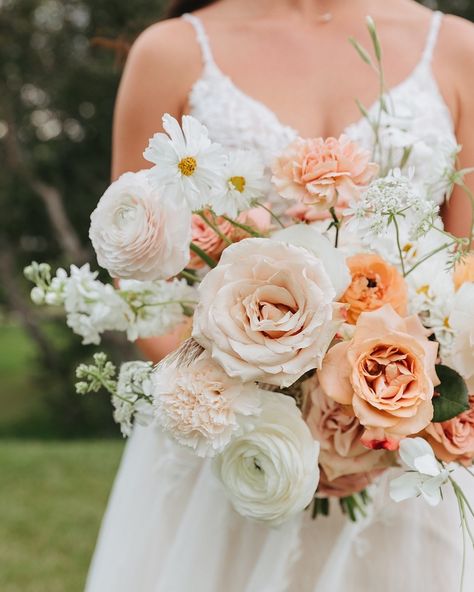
x,y
60,65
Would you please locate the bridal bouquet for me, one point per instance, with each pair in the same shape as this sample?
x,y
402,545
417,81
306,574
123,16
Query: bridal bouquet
x,y
326,317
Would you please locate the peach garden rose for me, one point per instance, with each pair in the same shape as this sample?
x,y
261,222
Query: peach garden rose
x,y
386,372
374,283
321,173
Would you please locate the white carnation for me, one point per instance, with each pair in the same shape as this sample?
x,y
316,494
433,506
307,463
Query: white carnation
x,y
138,234
271,473
200,406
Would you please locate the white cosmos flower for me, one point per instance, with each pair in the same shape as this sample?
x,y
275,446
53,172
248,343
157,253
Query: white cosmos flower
x,y
271,473
188,166
425,476
244,181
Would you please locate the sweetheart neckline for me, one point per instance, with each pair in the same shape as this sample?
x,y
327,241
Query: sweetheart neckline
x,y
213,69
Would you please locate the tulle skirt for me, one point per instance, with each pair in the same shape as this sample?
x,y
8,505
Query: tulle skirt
x,y
169,528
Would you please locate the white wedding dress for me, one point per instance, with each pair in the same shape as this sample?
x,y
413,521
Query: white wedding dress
x,y
170,528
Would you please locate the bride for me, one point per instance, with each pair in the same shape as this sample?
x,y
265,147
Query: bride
x,y
258,73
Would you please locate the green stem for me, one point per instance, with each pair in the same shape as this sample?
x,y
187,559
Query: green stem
x,y
187,275
399,246
214,227
272,214
337,225
244,227
203,255
470,195
429,255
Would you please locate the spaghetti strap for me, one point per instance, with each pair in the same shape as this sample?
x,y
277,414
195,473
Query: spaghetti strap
x,y
202,39
432,37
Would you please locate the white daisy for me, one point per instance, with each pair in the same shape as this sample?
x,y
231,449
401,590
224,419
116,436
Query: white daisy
x,y
188,165
244,181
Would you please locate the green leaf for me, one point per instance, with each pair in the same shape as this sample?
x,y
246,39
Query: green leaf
x,y
375,38
453,396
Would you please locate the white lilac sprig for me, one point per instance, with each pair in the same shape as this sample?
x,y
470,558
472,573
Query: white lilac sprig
x,y
141,309
130,391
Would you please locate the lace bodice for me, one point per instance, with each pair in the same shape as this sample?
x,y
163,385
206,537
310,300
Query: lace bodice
x,y
419,125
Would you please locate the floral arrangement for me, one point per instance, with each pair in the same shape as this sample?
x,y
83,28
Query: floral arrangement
x,y
321,346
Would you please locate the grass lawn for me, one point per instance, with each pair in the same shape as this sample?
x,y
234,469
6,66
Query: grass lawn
x,y
52,496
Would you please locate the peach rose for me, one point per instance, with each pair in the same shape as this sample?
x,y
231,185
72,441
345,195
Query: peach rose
x,y
320,172
339,432
386,372
374,283
212,243
454,439
346,485
464,271
267,311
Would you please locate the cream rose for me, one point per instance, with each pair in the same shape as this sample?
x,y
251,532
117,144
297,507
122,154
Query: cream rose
x,y
386,372
271,473
461,320
339,432
138,235
266,312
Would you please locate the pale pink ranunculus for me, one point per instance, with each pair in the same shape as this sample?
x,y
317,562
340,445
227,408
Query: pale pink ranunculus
x,y
386,372
339,434
453,440
138,235
266,312
213,243
321,173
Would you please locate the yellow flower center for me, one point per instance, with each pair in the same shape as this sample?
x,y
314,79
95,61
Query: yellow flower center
x,y
446,323
238,183
423,289
187,166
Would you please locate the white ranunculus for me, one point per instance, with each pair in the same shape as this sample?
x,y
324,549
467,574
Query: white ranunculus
x,y
267,312
334,260
137,234
461,321
271,473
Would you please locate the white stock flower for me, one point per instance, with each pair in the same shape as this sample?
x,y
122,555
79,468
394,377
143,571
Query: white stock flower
x,y
267,311
188,166
461,321
133,400
93,307
333,260
244,181
158,307
271,472
425,475
137,233
200,406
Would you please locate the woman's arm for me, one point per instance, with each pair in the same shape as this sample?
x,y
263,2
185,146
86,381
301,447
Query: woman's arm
x,y
161,67
458,43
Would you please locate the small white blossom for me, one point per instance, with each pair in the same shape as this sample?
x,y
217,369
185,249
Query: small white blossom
x,y
158,307
133,399
188,166
425,475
